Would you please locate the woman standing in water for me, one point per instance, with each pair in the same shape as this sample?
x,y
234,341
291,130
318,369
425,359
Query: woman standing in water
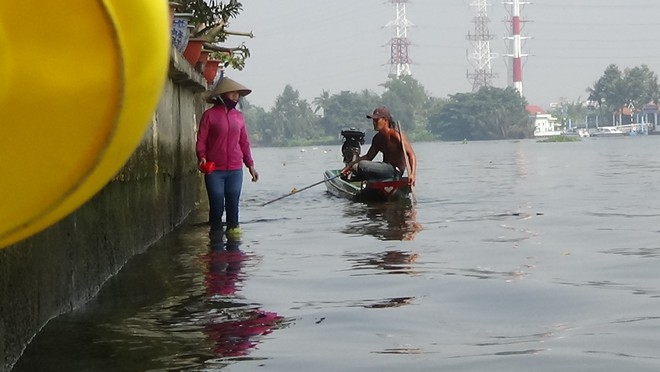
x,y
223,146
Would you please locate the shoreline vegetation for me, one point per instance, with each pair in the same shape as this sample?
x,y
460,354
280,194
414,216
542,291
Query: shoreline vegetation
x,y
338,142
488,114
559,139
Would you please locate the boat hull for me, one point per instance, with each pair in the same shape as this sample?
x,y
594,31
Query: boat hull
x,y
367,191
608,132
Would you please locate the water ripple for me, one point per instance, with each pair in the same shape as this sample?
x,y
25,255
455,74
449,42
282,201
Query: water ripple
x,y
368,304
623,355
390,262
642,252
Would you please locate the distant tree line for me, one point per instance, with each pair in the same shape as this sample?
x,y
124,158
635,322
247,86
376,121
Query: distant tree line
x,y
488,114
631,88
615,90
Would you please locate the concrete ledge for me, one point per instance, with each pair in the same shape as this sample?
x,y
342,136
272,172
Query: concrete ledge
x,y
64,266
183,73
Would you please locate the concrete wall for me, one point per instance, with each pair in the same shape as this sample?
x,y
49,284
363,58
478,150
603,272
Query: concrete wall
x,y
64,266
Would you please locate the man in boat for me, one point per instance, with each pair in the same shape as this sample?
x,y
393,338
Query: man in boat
x,y
398,153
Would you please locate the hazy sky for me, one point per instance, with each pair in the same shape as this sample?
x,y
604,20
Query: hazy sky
x,y
339,45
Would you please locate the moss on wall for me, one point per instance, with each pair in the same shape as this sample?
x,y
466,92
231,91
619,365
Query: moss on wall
x,y
64,266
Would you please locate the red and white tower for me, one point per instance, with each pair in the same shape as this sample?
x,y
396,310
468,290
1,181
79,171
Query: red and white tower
x,y
515,68
399,60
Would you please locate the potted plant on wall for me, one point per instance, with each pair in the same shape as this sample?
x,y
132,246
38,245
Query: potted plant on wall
x,y
209,18
180,32
230,57
221,58
175,7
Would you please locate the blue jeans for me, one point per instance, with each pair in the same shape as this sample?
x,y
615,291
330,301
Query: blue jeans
x,y
224,191
375,170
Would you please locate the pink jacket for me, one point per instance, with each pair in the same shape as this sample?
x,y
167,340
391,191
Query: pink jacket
x,y
222,138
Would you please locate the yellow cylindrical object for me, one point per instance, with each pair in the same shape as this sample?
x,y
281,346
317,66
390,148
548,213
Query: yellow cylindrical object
x,y
79,82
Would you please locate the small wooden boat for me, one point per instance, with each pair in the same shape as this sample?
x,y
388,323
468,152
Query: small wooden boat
x,y
359,190
367,191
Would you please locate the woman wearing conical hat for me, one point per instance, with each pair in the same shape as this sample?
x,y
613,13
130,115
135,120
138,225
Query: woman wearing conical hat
x,y
223,146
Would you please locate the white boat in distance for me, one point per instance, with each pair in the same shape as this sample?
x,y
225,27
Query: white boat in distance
x,y
583,133
608,132
634,129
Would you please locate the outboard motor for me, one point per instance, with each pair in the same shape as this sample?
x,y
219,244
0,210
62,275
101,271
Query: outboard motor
x,y
350,149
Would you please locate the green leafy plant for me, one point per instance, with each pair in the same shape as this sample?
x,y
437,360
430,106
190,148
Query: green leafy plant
x,y
210,17
558,139
230,57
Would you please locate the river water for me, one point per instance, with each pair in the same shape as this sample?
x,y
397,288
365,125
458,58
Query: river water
x,y
517,256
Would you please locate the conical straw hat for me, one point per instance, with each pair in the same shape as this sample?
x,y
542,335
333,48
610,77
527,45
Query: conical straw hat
x,y
225,85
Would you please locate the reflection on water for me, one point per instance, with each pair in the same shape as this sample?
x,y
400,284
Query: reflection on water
x,y
534,256
233,333
391,302
236,337
380,303
390,262
225,261
177,307
385,221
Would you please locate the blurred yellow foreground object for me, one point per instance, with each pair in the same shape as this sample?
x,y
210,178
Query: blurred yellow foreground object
x,y
79,82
